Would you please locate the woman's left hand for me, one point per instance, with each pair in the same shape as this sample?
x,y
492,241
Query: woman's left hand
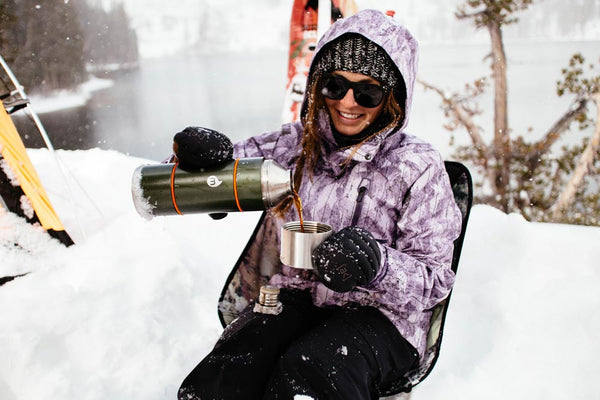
x,y
196,148
348,258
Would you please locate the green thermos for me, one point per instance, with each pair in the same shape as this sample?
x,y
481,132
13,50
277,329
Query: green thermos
x,y
245,184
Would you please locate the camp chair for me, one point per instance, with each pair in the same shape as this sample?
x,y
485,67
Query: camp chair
x,y
235,292
462,187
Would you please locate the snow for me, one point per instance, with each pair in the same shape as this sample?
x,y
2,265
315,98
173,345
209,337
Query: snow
x,y
130,309
132,299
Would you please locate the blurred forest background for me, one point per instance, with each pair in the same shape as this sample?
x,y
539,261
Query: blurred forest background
x,y
54,44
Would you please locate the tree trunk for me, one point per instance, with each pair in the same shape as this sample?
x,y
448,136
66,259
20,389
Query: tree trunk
x,y
501,135
587,158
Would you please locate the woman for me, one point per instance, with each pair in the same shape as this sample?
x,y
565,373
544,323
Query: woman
x,y
356,324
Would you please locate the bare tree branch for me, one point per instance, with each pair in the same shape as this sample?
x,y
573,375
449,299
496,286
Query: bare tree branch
x,y
542,146
465,120
462,14
585,161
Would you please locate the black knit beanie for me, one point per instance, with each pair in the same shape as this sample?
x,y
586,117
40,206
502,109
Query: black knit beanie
x,y
354,53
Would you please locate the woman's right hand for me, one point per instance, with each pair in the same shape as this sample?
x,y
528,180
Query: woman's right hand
x,y
197,148
348,258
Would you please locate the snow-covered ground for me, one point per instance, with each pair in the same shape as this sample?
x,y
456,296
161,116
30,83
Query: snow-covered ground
x,y
62,99
131,308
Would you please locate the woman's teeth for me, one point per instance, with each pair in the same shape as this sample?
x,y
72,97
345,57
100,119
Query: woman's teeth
x,y
348,115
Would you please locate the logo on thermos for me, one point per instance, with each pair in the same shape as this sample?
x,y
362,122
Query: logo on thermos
x,y
213,181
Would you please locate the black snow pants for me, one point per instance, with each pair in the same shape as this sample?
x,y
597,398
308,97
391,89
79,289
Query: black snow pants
x,y
322,353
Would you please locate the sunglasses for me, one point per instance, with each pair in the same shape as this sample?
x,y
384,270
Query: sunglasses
x,y
366,95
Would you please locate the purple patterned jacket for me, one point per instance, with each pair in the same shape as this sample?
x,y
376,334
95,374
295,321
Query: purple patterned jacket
x,y
405,201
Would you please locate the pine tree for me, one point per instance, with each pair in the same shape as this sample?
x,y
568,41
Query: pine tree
x,y
109,38
52,54
9,31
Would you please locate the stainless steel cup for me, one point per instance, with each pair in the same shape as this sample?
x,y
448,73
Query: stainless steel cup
x,y
297,246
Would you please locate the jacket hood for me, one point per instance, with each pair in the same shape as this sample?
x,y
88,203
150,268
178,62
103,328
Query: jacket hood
x,y
387,33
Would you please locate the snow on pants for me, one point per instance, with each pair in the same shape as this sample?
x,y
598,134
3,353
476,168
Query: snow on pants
x,y
334,353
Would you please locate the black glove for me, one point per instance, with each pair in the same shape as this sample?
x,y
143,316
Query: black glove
x,y
198,148
348,258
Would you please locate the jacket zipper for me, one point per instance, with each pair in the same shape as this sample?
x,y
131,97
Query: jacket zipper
x,y
362,190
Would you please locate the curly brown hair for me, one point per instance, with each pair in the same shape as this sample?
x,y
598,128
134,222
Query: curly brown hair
x,y
392,115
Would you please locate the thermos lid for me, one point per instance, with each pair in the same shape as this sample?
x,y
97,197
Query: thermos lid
x,y
276,183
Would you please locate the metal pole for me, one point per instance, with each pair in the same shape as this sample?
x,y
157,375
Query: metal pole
x,y
21,91
19,88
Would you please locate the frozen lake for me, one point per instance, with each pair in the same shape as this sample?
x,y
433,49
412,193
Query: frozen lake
x,y
242,95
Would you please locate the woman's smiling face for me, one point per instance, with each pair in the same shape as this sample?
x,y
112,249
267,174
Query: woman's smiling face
x,y
348,117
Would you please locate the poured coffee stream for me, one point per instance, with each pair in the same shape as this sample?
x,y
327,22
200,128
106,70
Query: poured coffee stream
x,y
298,204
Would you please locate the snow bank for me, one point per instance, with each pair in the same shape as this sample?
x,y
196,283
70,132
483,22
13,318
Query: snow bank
x,y
131,308
63,99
